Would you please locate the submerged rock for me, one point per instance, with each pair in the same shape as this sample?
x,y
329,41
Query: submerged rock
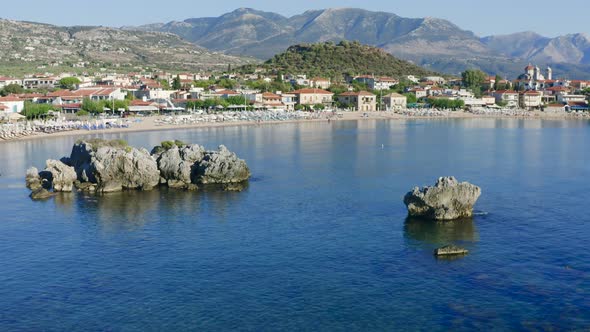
x,y
58,176
41,194
447,200
221,167
450,251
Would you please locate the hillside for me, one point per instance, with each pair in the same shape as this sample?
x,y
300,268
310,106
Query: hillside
x,y
433,43
26,44
335,60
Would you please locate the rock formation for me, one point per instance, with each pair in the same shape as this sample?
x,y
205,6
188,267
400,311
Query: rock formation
x,y
447,200
32,179
177,165
221,167
58,176
108,166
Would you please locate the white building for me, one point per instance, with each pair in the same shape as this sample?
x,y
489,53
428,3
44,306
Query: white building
x,y
11,105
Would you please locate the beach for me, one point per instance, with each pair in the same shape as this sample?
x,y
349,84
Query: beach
x,y
153,123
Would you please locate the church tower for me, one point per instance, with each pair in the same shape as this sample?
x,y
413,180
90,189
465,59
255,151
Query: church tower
x,y
549,73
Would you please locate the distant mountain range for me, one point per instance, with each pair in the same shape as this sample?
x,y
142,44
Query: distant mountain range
x,y
436,44
26,44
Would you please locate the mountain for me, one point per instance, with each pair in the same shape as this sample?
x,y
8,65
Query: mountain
x,y
571,49
430,42
25,44
336,60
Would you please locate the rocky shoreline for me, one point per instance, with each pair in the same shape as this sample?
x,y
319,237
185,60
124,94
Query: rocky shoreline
x,y
103,166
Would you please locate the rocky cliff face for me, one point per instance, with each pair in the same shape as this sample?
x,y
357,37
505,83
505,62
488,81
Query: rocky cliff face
x,y
447,200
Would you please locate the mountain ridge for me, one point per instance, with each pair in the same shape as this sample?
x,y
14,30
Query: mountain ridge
x,y
435,43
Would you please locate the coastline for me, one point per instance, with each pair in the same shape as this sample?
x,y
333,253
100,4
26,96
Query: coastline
x,y
149,123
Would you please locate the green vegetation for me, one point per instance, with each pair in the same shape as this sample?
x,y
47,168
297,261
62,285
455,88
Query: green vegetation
x,y
12,89
176,84
446,103
167,145
411,98
82,113
337,60
35,111
97,143
69,83
473,79
97,107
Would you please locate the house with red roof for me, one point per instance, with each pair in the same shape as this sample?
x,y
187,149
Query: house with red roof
x,y
313,97
530,99
362,101
509,97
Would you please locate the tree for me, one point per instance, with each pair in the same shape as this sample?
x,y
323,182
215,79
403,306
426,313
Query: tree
x,y
34,111
12,89
165,84
176,84
92,106
411,98
473,78
69,83
319,107
497,84
227,83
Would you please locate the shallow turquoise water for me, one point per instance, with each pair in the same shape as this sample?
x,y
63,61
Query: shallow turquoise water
x,y
318,241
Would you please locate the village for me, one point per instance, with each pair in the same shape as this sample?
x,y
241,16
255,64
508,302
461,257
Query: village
x,y
138,94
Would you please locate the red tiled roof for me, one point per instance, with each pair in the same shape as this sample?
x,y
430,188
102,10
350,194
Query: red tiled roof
x,y
531,93
9,99
312,91
226,92
269,95
507,92
360,93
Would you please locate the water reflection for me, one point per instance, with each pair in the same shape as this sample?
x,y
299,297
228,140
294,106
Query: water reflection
x,y
440,233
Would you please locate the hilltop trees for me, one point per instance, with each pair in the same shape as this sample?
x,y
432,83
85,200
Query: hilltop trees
x,y
334,61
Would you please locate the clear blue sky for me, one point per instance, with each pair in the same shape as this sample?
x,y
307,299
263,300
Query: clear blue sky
x,y
484,18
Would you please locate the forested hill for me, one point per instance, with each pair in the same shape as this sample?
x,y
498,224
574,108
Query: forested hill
x,y
336,60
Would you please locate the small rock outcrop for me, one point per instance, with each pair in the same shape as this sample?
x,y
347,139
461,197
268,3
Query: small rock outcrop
x,y
221,167
447,200
450,251
58,176
32,179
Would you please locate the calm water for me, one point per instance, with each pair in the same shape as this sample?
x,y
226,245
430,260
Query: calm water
x,y
319,240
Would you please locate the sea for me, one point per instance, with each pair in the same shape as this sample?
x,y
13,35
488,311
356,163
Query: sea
x,y
319,240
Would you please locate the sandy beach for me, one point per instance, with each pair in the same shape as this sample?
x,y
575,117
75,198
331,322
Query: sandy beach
x,y
153,123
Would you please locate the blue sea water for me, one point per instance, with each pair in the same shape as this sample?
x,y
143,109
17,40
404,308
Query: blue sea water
x,y
318,241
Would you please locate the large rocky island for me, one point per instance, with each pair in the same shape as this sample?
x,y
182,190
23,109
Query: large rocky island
x,y
108,166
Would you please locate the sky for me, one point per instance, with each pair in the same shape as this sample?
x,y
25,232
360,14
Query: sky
x,y
496,17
